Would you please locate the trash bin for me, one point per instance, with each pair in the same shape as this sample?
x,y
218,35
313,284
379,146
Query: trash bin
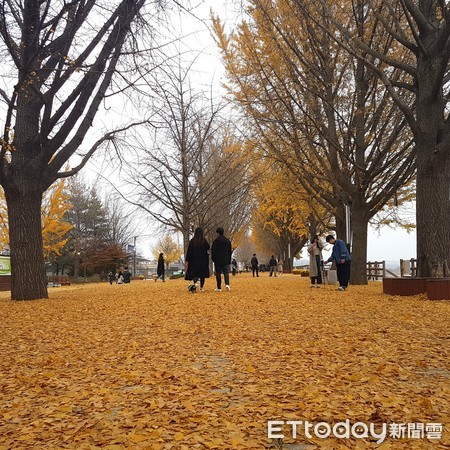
x,y
332,276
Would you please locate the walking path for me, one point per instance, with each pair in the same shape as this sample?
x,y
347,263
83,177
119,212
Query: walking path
x,y
151,366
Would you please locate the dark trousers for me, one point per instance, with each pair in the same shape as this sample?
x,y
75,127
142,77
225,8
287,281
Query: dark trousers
x,y
202,281
222,269
255,269
343,273
318,277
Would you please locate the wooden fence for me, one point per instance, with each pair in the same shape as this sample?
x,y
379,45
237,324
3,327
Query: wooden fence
x,y
376,270
408,267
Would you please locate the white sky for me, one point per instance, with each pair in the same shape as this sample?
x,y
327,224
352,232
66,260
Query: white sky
x,y
390,245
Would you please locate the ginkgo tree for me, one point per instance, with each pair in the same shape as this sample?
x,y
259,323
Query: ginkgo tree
x,y
320,112
55,227
421,32
171,249
286,215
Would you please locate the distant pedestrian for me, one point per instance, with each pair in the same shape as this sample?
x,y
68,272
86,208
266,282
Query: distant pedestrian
x,y
161,269
111,277
234,266
119,276
273,266
197,260
341,256
126,275
280,266
255,264
315,261
221,256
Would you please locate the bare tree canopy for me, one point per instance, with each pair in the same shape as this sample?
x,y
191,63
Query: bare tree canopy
x,y
190,169
61,59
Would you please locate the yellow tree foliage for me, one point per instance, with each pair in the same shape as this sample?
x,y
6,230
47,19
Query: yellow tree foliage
x,y
54,227
318,110
172,251
4,233
285,214
284,205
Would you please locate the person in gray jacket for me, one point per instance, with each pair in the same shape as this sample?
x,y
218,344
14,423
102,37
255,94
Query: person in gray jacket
x,y
221,256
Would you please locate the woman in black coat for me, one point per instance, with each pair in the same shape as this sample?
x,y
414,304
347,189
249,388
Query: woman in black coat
x,y
161,269
197,259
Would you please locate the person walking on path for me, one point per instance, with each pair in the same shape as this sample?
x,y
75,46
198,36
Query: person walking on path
x,y
255,265
234,267
273,266
221,256
197,260
111,277
161,268
315,261
280,266
341,256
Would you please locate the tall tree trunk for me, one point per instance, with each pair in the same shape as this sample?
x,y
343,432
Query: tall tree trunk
x,y
340,227
433,217
76,265
28,278
288,264
185,239
433,171
359,223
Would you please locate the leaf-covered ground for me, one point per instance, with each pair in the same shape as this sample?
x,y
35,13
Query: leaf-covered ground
x,y
151,366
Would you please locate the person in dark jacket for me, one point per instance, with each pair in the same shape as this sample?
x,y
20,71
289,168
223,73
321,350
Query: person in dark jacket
x,y
234,267
341,256
111,277
255,265
273,266
126,275
161,269
197,260
221,256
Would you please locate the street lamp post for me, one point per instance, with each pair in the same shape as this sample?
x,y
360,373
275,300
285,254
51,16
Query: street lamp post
x,y
134,256
289,256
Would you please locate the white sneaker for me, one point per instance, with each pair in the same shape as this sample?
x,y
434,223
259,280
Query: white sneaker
x,y
312,286
228,288
319,286
341,288
218,290
202,290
